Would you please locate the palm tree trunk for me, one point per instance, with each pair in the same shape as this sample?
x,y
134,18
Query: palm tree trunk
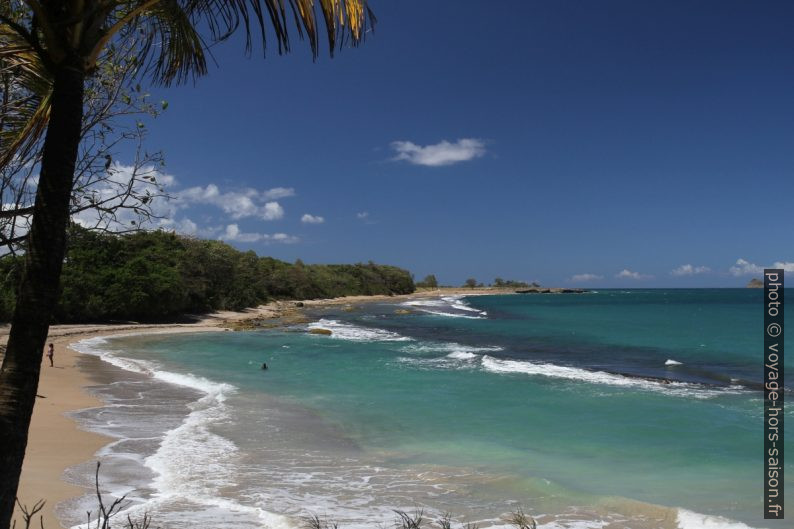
x,y
19,375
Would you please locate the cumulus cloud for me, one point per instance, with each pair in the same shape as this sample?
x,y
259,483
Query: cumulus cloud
x,y
312,219
239,204
743,267
689,270
746,268
232,233
442,153
580,278
272,211
628,274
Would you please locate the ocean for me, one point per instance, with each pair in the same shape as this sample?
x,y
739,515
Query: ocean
x,y
612,409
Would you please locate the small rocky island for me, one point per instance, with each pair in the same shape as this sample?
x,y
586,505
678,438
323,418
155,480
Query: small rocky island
x,y
755,283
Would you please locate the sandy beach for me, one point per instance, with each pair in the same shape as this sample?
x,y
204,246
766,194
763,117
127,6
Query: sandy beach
x,y
55,442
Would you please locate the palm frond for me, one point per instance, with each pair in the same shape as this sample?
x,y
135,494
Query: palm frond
x,y
174,47
26,91
171,42
345,20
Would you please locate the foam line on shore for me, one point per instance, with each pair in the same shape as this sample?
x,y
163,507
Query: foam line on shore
x,y
693,520
192,463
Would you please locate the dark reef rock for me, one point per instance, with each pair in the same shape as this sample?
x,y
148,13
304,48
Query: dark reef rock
x,y
538,290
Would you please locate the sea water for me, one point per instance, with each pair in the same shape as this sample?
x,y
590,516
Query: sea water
x,y
617,408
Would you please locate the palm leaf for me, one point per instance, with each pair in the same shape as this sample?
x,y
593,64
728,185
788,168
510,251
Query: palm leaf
x,y
26,96
175,49
169,26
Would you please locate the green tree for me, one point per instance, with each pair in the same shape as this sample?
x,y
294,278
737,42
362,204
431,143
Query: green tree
x,y
429,281
55,46
470,283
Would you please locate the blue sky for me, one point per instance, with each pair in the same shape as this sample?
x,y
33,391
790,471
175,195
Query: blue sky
x,y
603,143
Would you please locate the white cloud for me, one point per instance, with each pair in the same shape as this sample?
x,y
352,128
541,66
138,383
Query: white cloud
x,y
272,211
312,219
746,268
786,266
689,270
184,226
743,267
579,278
278,192
232,233
628,274
284,238
237,204
443,153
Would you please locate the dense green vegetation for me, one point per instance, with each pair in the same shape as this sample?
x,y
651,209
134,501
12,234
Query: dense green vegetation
x,y
154,276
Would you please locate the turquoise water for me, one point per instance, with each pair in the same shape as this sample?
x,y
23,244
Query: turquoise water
x,y
573,406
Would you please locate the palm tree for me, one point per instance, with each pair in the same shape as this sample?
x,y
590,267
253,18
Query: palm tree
x,y
48,52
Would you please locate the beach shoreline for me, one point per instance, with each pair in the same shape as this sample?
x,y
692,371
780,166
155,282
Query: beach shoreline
x,y
56,442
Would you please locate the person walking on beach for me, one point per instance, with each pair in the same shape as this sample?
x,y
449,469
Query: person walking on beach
x,y
51,353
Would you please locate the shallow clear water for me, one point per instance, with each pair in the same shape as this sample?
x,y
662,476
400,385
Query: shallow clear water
x,y
587,410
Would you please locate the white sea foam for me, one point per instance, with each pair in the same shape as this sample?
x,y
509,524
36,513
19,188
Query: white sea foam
x,y
456,302
671,362
451,315
354,333
449,347
462,355
682,389
449,306
192,463
443,363
692,520
456,356
98,346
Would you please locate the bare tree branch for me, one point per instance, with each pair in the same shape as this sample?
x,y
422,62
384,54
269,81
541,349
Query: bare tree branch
x,y
107,195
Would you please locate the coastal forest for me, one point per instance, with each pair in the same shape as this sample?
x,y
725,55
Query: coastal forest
x,y
156,276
